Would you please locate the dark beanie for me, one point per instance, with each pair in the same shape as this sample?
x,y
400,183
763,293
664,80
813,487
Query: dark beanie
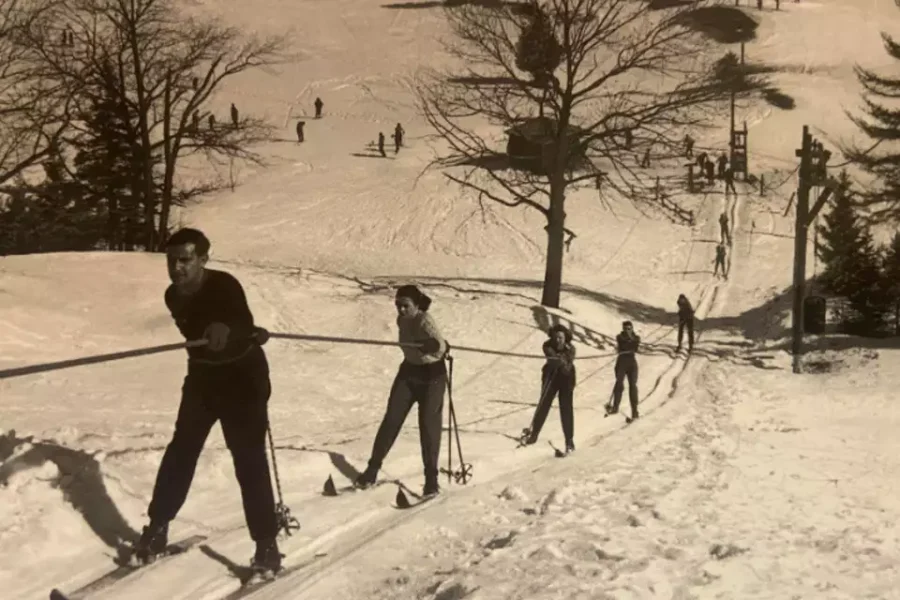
x,y
421,301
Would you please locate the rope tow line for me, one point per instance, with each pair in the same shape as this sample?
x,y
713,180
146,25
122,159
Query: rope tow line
x,y
102,358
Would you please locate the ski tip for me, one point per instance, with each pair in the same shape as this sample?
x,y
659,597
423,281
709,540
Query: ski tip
x,y
329,489
401,499
55,594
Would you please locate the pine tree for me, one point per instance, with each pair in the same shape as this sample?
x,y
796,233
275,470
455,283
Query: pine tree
x,y
880,122
538,52
852,265
107,166
891,278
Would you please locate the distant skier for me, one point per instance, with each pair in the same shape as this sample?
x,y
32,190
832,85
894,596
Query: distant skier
x,y
685,320
688,146
300,125
701,161
234,115
398,138
212,121
722,164
720,261
227,381
629,139
723,228
381,144
195,122
557,377
627,343
422,379
710,172
645,162
729,181
318,104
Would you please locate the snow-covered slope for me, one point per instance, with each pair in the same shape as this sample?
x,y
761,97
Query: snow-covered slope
x,y
791,476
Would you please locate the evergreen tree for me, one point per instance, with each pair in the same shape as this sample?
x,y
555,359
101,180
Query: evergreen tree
x,y
891,278
538,52
880,122
107,166
851,261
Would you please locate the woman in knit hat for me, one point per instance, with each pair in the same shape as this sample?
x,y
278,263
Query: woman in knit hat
x,y
422,379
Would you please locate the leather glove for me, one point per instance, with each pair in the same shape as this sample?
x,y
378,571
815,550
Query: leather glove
x,y
431,346
261,336
217,336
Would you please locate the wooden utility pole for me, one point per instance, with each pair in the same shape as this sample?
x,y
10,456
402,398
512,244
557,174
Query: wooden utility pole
x,y
813,160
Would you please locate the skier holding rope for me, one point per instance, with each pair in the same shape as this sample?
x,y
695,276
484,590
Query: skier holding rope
x,y
557,377
627,343
228,381
685,320
422,379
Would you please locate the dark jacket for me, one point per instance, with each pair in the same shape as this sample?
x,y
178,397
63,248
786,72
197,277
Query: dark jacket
x,y
220,299
627,346
685,310
559,362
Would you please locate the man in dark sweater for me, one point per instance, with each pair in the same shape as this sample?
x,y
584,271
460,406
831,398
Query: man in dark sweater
x,y
685,320
228,381
627,343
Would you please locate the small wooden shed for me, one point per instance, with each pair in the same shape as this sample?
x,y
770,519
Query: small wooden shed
x,y
530,142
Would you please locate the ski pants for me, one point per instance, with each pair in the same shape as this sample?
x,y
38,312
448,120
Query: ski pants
x,y
236,395
554,382
687,323
422,384
720,262
626,367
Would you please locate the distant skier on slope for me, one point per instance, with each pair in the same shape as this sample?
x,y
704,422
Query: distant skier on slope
x,y
685,320
422,379
228,381
627,343
398,137
720,261
723,227
318,104
557,377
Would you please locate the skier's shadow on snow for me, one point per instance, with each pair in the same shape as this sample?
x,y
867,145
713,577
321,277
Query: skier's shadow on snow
x,y
81,481
242,572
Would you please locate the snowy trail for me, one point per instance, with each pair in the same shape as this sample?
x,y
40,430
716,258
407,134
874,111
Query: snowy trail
x,y
324,576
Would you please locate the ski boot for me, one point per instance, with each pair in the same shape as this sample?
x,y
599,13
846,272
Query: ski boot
x,y
367,478
266,561
431,486
527,438
570,447
153,543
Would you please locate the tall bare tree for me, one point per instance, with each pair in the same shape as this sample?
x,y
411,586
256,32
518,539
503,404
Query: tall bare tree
x,y
621,82
32,110
163,67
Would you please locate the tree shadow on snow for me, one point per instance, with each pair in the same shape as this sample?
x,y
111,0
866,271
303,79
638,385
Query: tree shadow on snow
x,y
759,325
371,155
724,24
520,7
81,481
